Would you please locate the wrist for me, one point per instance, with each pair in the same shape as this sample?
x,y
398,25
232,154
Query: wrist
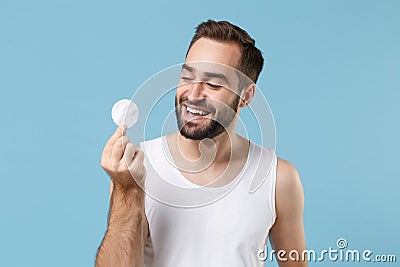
x,y
125,184
131,195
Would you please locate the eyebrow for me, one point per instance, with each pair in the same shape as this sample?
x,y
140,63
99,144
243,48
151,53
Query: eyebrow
x,y
208,74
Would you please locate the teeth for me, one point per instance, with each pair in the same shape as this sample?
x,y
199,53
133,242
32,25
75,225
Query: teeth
x,y
196,111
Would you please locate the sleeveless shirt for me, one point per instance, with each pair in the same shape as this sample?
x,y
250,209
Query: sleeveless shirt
x,y
228,231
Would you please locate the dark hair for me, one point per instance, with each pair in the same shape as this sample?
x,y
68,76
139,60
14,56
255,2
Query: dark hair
x,y
251,61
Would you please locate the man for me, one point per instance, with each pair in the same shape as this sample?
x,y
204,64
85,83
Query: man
x,y
230,231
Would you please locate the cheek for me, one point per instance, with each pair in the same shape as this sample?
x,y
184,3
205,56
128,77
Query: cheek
x,y
178,95
181,90
224,97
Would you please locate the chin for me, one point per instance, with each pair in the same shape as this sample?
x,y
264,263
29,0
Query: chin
x,y
197,135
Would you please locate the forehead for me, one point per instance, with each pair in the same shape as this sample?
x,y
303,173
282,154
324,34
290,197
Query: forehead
x,y
204,49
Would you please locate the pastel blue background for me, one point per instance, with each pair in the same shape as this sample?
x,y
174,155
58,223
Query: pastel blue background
x,y
331,78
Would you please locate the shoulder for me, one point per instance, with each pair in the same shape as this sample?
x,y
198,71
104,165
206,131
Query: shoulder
x,y
287,173
152,144
289,190
154,141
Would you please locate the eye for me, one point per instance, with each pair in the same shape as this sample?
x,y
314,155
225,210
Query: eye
x,y
213,85
186,78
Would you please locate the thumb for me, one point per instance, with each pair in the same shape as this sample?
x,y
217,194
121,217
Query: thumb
x,y
121,131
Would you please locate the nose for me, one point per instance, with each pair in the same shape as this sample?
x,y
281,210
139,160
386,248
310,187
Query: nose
x,y
196,91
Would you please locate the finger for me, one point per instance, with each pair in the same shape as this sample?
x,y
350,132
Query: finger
x,y
129,153
110,143
119,148
136,167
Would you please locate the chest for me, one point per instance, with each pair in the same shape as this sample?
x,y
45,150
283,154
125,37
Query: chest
x,y
235,220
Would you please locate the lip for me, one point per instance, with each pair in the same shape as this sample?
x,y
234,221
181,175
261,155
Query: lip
x,y
195,107
195,118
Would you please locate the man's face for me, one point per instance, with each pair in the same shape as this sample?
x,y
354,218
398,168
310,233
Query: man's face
x,y
207,96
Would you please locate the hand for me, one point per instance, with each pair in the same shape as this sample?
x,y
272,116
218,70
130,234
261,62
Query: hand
x,y
122,160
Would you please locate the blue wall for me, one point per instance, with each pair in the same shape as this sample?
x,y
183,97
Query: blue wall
x,y
331,78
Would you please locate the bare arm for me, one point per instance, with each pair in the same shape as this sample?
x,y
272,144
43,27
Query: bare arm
x,y
287,233
125,238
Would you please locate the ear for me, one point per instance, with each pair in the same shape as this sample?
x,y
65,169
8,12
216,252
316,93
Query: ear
x,y
247,95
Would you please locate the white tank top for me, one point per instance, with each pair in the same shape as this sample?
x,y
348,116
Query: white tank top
x,y
230,231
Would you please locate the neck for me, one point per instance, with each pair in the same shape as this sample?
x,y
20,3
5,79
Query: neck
x,y
221,146
204,161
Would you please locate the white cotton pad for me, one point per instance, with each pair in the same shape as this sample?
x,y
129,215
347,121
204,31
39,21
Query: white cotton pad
x,y
125,112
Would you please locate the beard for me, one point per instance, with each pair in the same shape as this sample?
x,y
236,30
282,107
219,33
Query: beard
x,y
211,127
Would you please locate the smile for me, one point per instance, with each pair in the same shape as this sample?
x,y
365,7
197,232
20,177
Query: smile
x,y
194,113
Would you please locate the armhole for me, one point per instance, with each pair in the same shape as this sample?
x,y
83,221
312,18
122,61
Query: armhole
x,y
273,187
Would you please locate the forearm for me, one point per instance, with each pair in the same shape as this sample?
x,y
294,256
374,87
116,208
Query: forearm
x,y
123,243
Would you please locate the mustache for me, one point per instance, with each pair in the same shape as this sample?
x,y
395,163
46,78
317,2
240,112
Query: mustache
x,y
199,103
